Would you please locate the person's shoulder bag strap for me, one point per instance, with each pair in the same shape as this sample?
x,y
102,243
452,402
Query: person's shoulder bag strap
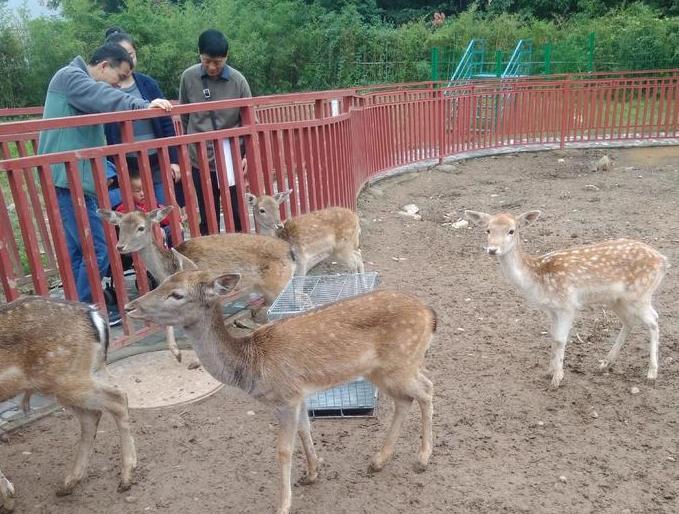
x,y
208,96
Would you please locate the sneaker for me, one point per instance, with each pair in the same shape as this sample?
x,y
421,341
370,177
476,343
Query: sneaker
x,y
114,318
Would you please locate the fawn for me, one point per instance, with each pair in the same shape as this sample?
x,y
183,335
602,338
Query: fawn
x,y
332,232
54,347
382,335
265,263
622,274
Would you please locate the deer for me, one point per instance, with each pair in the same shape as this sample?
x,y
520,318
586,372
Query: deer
x,y
382,335
622,274
265,263
315,236
55,347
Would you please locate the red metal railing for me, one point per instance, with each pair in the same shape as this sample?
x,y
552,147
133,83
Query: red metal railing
x,y
323,145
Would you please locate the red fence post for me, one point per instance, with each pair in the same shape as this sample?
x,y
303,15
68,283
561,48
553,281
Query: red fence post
x,y
565,112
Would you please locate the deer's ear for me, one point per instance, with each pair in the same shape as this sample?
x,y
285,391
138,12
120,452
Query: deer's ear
x,y
528,217
225,284
477,218
251,199
158,215
112,217
183,262
282,196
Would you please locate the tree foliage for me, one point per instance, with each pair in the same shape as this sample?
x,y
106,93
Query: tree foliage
x,y
294,45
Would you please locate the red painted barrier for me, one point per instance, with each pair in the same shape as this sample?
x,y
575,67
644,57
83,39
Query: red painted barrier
x,y
324,145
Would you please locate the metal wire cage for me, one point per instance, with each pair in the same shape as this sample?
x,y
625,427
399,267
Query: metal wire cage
x,y
357,398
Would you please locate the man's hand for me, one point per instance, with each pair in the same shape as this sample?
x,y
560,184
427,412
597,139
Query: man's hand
x,y
176,172
161,103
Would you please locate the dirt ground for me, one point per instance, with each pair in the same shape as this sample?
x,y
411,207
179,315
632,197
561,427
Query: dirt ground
x,y
504,442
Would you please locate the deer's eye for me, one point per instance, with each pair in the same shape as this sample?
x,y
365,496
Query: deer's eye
x,y
175,295
488,231
511,232
141,228
262,211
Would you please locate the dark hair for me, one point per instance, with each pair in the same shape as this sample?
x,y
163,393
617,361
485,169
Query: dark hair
x,y
120,37
112,30
132,166
113,53
213,44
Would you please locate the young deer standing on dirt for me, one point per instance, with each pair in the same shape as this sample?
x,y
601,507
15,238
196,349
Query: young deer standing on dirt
x,y
54,347
621,274
313,237
265,263
382,335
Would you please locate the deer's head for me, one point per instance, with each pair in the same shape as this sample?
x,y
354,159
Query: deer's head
x,y
266,212
502,229
136,227
183,298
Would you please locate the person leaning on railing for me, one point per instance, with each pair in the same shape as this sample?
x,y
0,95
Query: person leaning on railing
x,y
145,87
85,88
211,80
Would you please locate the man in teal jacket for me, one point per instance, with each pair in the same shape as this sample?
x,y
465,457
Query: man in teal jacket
x,y
87,88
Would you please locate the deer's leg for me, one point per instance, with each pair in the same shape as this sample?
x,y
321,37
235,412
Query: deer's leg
x,y
649,317
627,325
288,417
562,321
424,394
301,265
401,405
358,257
103,397
312,460
172,344
6,494
89,421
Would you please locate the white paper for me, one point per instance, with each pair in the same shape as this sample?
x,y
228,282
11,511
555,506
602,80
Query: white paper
x,y
226,149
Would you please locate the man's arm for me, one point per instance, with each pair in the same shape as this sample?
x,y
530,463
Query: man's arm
x,y
90,96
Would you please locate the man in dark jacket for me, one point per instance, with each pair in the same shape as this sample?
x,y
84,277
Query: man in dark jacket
x,y
85,88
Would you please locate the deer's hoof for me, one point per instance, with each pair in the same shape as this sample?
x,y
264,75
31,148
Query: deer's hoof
x,y
556,380
65,490
605,365
6,495
374,467
124,485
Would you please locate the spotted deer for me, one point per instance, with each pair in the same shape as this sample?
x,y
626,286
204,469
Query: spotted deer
x,y
314,237
54,347
381,335
622,274
264,263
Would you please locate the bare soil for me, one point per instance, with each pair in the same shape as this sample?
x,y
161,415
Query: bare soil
x,y
504,442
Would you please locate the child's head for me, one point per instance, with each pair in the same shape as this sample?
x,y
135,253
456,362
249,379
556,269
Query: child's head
x,y
135,183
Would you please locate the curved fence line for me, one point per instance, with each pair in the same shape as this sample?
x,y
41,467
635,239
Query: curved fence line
x,y
324,146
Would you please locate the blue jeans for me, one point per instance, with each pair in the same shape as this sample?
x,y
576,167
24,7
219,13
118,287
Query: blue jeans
x,y
73,244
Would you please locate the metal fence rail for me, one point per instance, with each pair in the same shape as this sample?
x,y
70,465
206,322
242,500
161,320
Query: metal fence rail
x,y
325,145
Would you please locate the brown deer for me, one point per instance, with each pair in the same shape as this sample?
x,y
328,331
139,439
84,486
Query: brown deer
x,y
621,274
265,263
382,335
54,347
333,232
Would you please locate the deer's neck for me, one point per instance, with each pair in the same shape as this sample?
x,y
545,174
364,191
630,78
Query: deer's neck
x,y
229,359
158,260
519,269
264,230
